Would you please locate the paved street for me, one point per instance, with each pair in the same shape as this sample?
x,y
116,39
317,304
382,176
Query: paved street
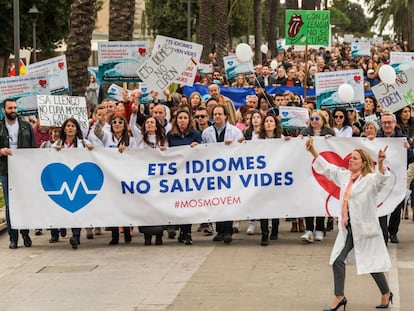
x,y
286,275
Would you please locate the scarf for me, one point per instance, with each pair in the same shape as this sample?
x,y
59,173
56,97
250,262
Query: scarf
x,y
347,194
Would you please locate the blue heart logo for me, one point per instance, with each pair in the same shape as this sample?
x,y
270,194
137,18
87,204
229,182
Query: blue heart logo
x,y
230,62
144,90
72,189
285,113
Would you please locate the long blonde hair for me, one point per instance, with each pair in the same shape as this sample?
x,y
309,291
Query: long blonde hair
x,y
367,160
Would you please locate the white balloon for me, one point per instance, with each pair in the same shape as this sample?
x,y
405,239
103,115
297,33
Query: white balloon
x,y
346,93
244,52
264,48
387,74
273,64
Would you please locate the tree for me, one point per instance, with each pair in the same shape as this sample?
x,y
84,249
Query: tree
x,y
51,26
121,20
82,23
221,30
169,18
292,4
272,8
204,28
355,13
339,19
257,9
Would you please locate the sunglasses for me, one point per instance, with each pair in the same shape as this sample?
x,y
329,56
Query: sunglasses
x,y
315,118
338,116
118,122
200,116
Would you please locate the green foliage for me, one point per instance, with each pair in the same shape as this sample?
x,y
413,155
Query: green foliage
x,y
355,13
169,18
339,19
51,25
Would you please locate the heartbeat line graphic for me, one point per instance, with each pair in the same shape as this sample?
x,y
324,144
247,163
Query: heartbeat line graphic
x,y
80,182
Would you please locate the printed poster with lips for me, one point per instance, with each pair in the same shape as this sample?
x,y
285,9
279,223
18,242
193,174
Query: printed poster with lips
x,y
304,27
327,84
57,71
24,90
118,61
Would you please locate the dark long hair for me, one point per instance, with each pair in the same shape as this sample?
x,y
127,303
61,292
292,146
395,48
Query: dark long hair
x,y
160,135
125,133
78,135
277,132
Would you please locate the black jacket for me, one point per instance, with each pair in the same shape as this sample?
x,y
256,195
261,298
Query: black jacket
x,y
25,139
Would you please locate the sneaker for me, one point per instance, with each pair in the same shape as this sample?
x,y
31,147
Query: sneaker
x,y
319,235
236,226
38,232
27,241
251,228
73,241
307,237
208,230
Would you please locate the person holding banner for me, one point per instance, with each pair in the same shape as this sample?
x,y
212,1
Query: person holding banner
x,y
71,137
183,133
318,127
359,227
14,133
222,131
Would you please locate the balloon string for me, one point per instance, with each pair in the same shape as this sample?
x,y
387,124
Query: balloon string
x,y
258,83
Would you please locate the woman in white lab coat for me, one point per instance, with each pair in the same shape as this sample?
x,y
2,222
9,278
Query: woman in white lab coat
x,y
359,229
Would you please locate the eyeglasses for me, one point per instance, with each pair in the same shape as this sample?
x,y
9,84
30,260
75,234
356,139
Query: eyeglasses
x,y
338,116
387,122
118,122
315,118
200,116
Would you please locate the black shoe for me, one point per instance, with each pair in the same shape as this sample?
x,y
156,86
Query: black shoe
x,y
274,236
38,232
148,238
218,237
227,238
343,302
181,237
394,238
158,239
265,240
114,241
330,224
63,232
188,239
13,245
385,306
73,241
127,235
27,241
54,239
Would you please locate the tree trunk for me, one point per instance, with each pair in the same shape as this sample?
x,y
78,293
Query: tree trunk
x,y
308,5
410,26
204,26
257,12
121,20
82,23
272,8
292,4
222,35
4,65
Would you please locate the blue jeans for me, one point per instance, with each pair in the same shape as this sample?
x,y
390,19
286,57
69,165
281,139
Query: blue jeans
x,y
13,233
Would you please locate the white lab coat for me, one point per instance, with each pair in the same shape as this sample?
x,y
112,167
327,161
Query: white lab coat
x,y
370,252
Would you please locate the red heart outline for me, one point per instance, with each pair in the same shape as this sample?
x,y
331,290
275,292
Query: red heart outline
x,y
324,182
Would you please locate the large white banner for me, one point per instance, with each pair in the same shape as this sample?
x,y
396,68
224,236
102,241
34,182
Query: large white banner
x,y
250,180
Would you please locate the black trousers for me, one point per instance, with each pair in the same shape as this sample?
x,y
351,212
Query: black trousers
x,y
320,223
224,227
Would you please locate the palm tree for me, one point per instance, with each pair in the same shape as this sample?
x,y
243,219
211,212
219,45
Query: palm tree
x,y
399,12
222,27
121,20
82,23
272,8
292,4
257,9
204,26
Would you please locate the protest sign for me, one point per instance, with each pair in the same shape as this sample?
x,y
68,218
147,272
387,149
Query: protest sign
x,y
57,71
268,178
116,92
54,110
24,89
327,84
118,61
189,50
234,67
162,68
360,48
305,27
294,118
205,68
401,61
393,97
